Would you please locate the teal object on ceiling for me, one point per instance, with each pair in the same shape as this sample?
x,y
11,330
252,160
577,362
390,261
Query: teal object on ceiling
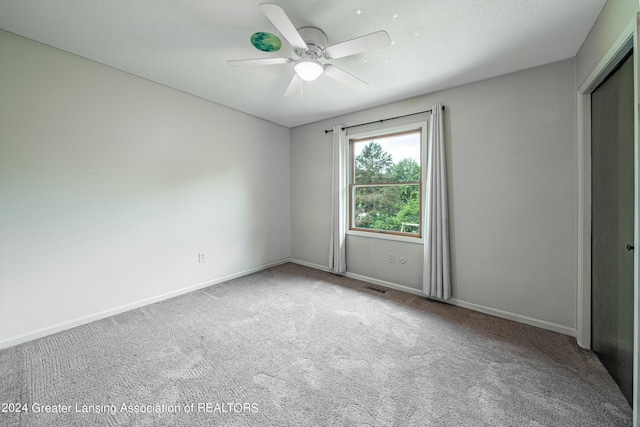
x,y
266,42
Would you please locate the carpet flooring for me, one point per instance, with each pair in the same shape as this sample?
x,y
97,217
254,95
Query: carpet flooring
x,y
293,346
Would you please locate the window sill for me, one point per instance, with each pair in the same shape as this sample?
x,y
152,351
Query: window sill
x,y
383,236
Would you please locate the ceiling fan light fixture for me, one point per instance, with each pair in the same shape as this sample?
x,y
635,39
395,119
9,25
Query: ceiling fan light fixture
x,y
309,70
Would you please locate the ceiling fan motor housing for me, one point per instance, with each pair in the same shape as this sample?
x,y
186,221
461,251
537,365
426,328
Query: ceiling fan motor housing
x,y
316,41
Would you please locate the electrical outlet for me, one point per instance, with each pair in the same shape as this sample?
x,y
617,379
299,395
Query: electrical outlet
x,y
392,258
403,260
200,258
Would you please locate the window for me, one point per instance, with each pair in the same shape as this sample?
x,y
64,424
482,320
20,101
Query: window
x,y
386,182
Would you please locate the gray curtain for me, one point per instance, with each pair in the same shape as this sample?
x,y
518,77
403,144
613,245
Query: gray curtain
x,y
437,262
339,188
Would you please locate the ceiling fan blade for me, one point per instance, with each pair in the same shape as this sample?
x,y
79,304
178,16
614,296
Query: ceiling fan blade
x,y
255,62
293,86
281,21
344,77
372,41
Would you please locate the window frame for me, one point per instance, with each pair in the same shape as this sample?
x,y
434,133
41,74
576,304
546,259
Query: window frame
x,y
377,133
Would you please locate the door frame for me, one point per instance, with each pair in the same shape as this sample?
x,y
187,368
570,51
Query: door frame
x,y
626,41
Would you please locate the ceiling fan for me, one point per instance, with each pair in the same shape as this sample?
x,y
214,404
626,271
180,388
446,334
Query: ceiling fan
x,y
310,44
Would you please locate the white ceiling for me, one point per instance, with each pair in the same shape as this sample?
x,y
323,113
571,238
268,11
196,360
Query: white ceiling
x,y
437,44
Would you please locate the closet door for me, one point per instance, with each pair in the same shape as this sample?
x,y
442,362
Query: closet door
x,y
612,224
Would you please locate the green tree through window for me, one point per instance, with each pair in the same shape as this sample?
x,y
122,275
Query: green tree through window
x,y
385,194
372,164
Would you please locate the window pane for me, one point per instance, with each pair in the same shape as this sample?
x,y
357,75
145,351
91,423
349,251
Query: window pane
x,y
392,208
386,159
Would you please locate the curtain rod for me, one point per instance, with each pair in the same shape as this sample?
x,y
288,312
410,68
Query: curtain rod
x,y
383,120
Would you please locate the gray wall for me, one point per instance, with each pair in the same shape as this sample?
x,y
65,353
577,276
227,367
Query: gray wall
x,y
110,186
512,190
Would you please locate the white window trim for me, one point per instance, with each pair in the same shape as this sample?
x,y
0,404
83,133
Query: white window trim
x,y
423,127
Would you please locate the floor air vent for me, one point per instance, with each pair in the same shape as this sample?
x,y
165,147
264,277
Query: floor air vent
x,y
372,288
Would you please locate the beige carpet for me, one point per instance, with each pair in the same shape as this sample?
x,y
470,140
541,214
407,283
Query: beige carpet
x,y
292,346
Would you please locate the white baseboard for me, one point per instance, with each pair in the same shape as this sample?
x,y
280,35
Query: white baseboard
x,y
386,284
362,278
310,265
515,317
453,301
39,333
